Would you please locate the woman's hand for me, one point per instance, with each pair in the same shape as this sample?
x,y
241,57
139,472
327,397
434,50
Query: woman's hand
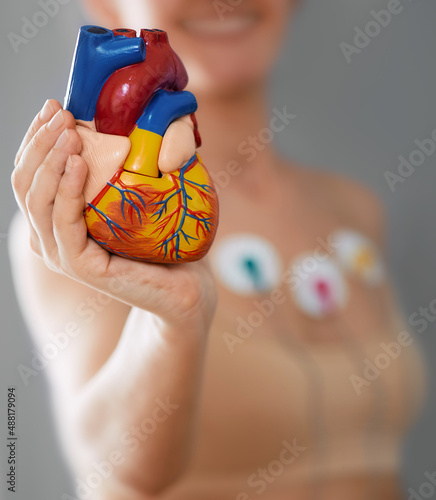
x,y
48,182
168,326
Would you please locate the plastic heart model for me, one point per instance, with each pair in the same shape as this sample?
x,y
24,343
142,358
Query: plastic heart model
x,y
132,86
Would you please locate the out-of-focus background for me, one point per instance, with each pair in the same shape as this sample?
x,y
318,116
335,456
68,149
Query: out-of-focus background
x,y
354,116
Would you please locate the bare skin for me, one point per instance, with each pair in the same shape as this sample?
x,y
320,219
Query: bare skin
x,y
159,336
105,154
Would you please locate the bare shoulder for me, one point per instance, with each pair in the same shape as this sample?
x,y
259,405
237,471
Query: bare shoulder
x,y
356,205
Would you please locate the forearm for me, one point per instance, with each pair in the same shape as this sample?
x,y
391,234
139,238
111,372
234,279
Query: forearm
x,y
142,405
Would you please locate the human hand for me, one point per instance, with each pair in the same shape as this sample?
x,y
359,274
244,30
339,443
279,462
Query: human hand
x,y
49,183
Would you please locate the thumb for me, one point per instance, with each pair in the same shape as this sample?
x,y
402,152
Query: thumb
x,y
178,145
69,226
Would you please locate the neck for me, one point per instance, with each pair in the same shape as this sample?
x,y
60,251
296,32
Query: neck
x,y
235,144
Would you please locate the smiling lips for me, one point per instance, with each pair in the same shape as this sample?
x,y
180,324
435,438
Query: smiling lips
x,y
227,26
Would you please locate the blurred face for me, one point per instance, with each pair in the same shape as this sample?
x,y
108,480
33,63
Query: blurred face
x,y
225,45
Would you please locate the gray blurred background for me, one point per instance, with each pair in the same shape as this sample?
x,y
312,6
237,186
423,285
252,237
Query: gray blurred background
x,y
353,118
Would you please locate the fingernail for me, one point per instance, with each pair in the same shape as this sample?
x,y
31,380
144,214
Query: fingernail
x,y
56,122
70,164
62,139
46,112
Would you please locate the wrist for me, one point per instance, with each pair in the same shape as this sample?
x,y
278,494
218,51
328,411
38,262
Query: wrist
x,y
187,331
148,331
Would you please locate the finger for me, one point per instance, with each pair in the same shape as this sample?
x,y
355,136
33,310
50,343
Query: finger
x,y
178,145
50,108
43,117
33,236
36,151
42,193
76,250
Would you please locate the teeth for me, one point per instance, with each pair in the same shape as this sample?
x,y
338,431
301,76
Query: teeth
x,y
228,26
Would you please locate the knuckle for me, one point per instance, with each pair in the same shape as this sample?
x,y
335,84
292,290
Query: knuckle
x,y
31,203
28,200
51,265
55,105
35,126
63,194
199,296
192,294
15,180
17,159
57,216
35,246
68,117
51,166
38,139
57,224
75,140
68,268
51,259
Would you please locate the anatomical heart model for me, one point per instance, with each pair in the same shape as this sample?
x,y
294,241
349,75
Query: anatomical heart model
x,y
132,86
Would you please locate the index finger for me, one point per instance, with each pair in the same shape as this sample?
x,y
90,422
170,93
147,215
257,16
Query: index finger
x,y
49,109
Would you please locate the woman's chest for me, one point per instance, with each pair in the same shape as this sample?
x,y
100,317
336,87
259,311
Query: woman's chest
x,y
329,401
330,373
300,266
